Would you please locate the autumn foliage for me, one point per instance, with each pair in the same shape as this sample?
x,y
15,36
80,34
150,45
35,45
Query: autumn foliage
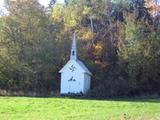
x,y
118,40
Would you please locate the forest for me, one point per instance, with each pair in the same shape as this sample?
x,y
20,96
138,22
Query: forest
x,y
118,40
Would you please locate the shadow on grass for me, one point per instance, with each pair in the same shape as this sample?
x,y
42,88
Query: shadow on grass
x,y
118,99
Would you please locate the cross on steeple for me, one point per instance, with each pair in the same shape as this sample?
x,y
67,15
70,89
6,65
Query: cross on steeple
x,y
73,55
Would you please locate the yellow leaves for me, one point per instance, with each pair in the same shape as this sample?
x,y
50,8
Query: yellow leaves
x,y
71,18
98,49
71,23
86,10
58,13
71,15
87,35
65,14
3,51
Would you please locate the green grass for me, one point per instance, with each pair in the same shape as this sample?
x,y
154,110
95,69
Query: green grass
x,y
24,108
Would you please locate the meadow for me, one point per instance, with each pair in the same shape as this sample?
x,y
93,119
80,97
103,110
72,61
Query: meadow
x,y
28,108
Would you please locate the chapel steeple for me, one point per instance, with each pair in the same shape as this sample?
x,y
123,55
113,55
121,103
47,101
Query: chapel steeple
x,y
73,55
75,76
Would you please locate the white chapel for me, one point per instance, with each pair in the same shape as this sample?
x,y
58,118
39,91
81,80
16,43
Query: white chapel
x,y
75,76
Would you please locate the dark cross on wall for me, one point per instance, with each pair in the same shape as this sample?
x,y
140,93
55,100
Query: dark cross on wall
x,y
72,68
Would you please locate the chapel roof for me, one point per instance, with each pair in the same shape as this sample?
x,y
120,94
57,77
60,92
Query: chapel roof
x,y
80,64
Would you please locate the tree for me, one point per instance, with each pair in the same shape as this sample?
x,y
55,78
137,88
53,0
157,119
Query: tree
x,y
29,40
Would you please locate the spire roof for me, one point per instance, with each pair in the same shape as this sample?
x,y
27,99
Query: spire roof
x,y
73,55
74,60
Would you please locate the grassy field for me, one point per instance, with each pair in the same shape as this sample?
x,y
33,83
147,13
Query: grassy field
x,y
24,108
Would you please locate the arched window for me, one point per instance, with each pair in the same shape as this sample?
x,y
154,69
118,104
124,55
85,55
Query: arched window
x,y
73,53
